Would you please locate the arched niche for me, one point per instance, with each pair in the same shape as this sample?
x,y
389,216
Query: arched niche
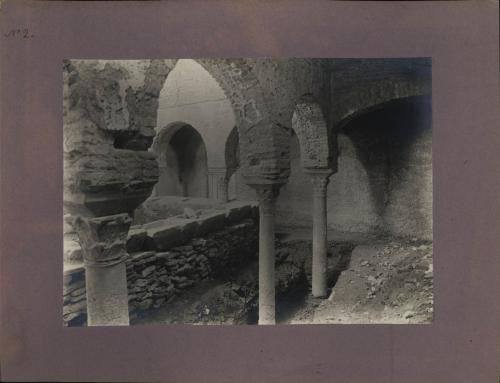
x,y
384,178
260,136
191,94
182,159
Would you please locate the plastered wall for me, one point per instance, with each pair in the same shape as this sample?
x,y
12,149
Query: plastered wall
x,y
384,178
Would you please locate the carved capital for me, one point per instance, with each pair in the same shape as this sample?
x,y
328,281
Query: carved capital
x,y
103,239
267,195
320,180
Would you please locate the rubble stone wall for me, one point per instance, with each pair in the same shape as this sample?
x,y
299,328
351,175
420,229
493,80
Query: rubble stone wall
x,y
155,278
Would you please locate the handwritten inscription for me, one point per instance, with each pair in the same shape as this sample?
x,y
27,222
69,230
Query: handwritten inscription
x,y
19,33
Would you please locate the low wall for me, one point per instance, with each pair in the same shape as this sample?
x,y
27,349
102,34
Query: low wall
x,y
166,259
161,207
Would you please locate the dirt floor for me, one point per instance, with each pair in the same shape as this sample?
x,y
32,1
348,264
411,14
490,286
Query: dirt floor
x,y
373,279
381,281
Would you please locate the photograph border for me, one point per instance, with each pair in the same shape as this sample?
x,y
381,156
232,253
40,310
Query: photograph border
x,y
459,346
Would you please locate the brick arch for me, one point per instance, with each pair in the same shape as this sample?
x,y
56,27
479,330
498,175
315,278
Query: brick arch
x,y
263,156
309,124
340,125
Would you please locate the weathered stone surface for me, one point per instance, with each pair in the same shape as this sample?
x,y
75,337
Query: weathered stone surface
x,y
211,222
103,239
154,279
112,105
70,286
110,183
68,224
165,237
109,117
103,245
164,234
136,240
190,213
72,250
147,271
310,126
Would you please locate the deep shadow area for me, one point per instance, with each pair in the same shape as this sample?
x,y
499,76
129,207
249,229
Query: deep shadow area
x,y
294,300
191,161
393,143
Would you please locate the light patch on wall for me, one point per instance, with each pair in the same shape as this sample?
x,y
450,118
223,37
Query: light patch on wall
x,y
191,95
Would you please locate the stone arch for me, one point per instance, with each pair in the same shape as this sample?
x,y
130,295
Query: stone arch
x,y
232,153
182,159
310,126
262,158
347,119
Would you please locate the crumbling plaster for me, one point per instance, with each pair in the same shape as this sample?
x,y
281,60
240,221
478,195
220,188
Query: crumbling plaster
x,y
107,169
112,116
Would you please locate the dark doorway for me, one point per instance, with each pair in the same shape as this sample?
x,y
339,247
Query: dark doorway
x,y
185,170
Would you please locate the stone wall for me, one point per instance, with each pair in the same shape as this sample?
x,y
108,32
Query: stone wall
x,y
155,278
361,84
384,177
192,95
109,115
384,182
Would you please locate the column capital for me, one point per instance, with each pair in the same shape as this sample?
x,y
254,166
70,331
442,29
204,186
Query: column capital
x,y
103,239
267,193
320,179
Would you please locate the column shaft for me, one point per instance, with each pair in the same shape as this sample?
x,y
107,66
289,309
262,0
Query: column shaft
x,y
107,296
217,184
267,200
320,242
103,243
222,193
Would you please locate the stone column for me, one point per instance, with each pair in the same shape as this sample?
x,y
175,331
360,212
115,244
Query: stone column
x,y
267,195
320,179
222,192
103,241
217,184
158,189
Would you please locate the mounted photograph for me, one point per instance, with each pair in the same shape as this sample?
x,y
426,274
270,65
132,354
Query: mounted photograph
x,y
247,191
